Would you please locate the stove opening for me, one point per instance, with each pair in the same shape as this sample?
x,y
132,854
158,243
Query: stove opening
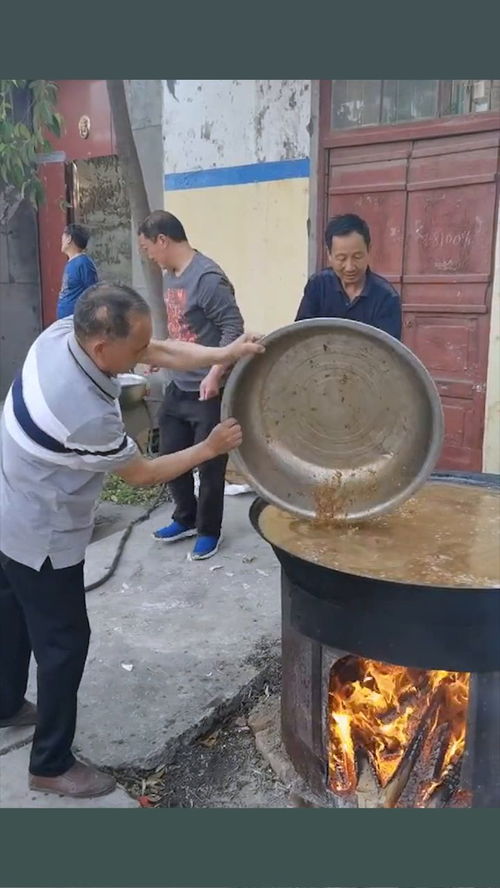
x,y
395,735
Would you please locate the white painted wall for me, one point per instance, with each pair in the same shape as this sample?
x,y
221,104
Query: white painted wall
x,y
214,123
257,231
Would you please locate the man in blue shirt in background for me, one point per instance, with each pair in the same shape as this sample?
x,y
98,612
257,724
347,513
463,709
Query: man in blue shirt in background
x,y
349,288
80,272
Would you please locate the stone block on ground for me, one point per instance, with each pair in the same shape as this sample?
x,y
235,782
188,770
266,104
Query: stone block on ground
x,y
264,721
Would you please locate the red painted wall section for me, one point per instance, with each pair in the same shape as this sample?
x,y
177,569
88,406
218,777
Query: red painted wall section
x,y
90,98
76,98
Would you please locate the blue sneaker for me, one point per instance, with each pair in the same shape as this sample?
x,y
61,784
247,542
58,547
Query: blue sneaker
x,y
205,547
173,532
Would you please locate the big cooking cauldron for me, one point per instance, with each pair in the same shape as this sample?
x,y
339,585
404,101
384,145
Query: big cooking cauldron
x,y
425,627
420,626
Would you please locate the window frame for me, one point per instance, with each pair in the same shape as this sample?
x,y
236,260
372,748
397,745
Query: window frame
x,y
425,128
428,127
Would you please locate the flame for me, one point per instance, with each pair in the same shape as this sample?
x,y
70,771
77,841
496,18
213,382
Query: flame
x,y
345,766
378,708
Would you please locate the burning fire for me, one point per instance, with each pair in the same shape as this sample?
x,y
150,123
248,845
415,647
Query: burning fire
x,y
389,712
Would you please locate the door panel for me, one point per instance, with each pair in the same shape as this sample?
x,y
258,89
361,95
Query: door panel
x,y
385,214
431,206
449,231
372,183
449,342
448,269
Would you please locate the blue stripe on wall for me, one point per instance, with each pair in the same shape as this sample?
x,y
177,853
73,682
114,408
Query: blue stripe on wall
x,y
238,175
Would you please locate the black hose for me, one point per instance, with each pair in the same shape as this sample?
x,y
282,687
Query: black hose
x,y
125,535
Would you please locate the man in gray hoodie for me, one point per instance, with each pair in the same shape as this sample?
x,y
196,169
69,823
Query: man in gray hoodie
x,y
201,308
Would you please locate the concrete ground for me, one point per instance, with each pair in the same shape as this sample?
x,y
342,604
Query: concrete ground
x,y
14,791
223,770
175,645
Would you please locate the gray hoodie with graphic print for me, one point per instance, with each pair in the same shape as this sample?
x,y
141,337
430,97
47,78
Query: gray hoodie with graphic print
x,y
201,307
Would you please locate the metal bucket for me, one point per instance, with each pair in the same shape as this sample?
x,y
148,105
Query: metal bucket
x,y
134,389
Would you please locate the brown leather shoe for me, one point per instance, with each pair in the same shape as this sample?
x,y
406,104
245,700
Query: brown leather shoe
x,y
24,717
80,782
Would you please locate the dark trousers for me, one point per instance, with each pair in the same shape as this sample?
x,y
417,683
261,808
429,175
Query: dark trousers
x,y
44,612
184,420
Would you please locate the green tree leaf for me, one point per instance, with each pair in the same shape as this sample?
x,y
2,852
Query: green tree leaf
x,y
21,140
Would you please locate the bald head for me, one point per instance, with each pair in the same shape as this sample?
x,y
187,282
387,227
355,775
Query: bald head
x,y
113,324
106,310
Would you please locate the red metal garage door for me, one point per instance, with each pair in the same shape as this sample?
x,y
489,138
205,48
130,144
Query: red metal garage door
x,y
431,205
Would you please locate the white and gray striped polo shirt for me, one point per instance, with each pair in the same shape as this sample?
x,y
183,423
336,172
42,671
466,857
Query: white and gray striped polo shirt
x,y
61,431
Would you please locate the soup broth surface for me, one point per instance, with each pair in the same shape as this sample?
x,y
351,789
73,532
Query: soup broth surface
x,y
446,535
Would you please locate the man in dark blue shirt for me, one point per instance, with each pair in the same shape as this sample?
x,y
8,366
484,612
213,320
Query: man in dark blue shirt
x,y
349,288
80,272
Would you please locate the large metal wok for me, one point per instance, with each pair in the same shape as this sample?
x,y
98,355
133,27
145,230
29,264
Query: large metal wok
x,y
335,399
